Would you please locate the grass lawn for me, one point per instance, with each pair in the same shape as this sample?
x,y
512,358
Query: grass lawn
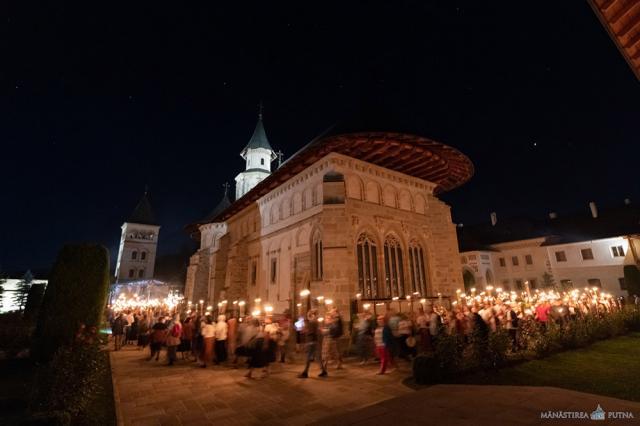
x,y
609,367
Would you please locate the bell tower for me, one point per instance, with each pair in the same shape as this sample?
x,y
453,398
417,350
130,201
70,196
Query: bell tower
x,y
138,244
258,155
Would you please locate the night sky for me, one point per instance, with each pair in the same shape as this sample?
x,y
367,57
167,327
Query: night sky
x,y
100,99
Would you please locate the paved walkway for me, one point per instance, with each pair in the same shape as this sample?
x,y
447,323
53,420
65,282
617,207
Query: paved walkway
x,y
150,393
467,405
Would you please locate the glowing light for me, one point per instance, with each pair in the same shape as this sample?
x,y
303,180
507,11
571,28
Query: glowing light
x,y
328,302
241,303
305,292
268,309
366,306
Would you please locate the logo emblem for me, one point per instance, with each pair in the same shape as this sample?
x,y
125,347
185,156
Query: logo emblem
x,y
598,413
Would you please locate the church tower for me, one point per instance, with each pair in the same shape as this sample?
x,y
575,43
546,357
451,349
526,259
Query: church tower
x,y
258,155
138,244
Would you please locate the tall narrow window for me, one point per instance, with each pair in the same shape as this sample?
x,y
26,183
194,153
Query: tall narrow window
x,y
143,255
394,271
274,270
131,272
134,255
417,269
254,272
141,273
317,265
367,267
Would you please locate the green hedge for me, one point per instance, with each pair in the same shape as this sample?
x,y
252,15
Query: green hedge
x,y
454,357
76,294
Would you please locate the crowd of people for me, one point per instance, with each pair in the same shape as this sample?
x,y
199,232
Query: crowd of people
x,y
261,340
201,339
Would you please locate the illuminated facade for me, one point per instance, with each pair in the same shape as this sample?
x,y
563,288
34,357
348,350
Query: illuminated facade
x,y
577,251
351,213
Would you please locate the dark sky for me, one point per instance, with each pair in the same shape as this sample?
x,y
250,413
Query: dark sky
x,y
100,99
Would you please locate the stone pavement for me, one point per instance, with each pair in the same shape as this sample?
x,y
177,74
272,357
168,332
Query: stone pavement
x,y
151,393
467,405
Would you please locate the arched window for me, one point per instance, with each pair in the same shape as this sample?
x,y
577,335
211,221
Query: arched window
x,y
367,267
393,268
143,255
417,269
141,273
134,255
316,256
262,161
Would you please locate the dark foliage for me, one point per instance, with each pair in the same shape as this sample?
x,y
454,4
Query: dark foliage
x,y
76,294
489,352
632,279
34,300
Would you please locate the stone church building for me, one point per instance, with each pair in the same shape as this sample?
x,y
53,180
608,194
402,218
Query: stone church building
x,y
351,213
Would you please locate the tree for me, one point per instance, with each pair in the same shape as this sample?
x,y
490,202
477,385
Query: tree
x,y
3,279
20,296
632,279
76,295
34,300
548,281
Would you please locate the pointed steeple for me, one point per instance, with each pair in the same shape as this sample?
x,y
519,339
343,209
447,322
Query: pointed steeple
x,y
259,138
143,213
222,205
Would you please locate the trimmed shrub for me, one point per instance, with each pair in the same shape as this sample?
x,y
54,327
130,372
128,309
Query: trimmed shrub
x,y
632,279
66,385
34,300
76,294
499,343
426,369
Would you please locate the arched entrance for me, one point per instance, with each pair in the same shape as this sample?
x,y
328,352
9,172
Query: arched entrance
x,y
469,280
488,276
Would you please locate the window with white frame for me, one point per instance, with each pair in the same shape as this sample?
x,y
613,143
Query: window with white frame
x,y
617,251
561,256
528,259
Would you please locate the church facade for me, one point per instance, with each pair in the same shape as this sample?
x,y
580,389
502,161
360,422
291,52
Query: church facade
x,y
350,216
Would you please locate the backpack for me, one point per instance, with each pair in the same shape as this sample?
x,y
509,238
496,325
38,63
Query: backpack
x,y
336,328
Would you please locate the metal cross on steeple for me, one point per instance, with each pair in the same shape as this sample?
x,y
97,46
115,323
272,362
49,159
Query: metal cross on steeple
x,y
279,154
226,187
260,108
